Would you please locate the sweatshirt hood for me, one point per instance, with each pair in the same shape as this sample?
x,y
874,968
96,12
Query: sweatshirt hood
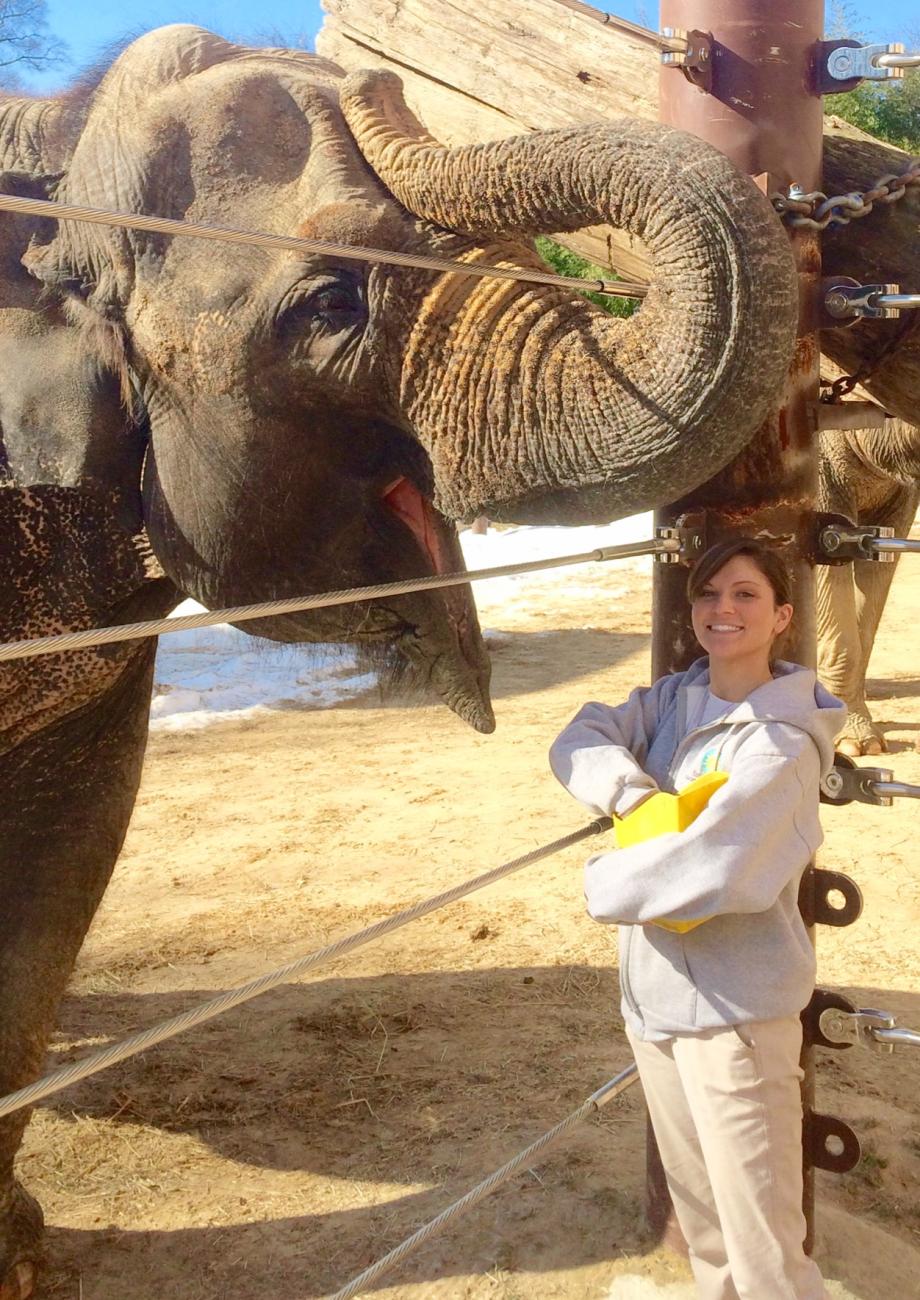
x,y
794,696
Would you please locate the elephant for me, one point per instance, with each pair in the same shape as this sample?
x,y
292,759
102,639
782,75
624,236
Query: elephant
x,y
872,476
240,425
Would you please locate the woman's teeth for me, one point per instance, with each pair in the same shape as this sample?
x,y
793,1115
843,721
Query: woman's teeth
x,y
724,627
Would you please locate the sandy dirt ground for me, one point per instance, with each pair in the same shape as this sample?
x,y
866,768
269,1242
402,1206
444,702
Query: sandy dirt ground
x,y
281,1149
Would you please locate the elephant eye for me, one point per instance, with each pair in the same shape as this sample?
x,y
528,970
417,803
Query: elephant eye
x,y
330,308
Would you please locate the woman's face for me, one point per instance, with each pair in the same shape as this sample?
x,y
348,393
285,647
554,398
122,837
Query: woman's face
x,y
736,617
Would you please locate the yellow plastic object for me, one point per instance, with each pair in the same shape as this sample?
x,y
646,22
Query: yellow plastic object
x,y
668,812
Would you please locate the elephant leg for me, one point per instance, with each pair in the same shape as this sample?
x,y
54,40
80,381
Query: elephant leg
x,y
68,795
840,662
873,583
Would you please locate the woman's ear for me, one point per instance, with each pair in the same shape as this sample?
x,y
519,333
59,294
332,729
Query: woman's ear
x,y
783,619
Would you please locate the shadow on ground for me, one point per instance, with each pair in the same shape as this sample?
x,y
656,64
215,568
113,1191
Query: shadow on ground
x,y
375,1080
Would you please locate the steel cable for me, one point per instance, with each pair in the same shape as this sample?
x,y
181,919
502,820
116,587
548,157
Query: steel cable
x,y
48,645
900,545
308,247
590,1107
147,1038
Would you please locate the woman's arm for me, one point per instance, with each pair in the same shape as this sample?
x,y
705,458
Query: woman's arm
x,y
599,755
756,834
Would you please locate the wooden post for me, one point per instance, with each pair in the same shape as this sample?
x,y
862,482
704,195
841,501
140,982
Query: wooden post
x,y
763,111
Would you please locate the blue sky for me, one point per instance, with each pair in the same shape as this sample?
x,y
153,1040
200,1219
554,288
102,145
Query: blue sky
x,y
90,26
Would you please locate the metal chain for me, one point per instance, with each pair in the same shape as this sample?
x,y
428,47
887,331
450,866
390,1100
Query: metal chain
x,y
625,1079
159,1033
49,645
837,389
308,247
816,211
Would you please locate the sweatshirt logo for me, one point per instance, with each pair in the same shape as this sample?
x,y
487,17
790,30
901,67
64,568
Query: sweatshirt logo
x,y
709,759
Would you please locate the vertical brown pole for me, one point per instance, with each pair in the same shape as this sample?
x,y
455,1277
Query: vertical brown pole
x,y
763,112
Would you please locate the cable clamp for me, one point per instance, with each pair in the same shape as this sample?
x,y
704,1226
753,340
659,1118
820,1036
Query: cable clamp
x,y
874,301
867,1027
691,52
847,783
848,61
690,535
838,543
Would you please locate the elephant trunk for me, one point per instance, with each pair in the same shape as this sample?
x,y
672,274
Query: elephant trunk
x,y
532,402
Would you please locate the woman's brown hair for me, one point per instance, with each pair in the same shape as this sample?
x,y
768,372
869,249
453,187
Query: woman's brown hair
x,y
764,557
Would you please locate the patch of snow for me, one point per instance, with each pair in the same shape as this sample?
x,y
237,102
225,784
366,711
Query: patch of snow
x,y
220,673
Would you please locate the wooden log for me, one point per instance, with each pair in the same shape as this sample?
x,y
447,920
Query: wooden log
x,y
495,70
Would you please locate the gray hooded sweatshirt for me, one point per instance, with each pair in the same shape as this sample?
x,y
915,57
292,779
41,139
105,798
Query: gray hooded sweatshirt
x,y
737,867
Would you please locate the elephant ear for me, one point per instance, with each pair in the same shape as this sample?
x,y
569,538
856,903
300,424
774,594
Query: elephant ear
x,y
126,157
65,393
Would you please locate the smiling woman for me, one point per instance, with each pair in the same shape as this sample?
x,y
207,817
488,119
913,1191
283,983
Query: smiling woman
x,y
715,961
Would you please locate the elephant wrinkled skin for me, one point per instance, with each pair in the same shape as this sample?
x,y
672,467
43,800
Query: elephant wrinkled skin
x,y
872,477
181,417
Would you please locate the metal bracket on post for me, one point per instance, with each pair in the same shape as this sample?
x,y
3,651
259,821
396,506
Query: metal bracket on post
x,y
823,1000
690,532
830,1143
848,415
843,64
839,541
818,892
691,52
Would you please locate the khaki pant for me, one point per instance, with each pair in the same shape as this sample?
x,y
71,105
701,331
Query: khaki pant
x,y
727,1112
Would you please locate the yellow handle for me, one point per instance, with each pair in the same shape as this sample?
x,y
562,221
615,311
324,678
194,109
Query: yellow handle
x,y
668,812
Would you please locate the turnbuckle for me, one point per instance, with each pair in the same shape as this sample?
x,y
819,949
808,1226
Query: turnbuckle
x,y
690,534
691,52
848,61
847,301
839,541
847,783
867,1027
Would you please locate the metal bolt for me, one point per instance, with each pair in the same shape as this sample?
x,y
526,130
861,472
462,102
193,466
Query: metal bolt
x,y
830,539
833,783
836,303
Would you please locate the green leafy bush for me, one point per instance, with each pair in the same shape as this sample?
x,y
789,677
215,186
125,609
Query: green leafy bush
x,y
564,262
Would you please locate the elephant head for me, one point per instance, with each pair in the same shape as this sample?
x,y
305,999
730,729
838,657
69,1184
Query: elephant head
x,y
315,422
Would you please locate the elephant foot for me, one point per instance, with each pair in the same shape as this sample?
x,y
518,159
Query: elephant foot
x,y
20,1245
860,738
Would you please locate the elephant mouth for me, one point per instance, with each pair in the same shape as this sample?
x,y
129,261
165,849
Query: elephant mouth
x,y
450,654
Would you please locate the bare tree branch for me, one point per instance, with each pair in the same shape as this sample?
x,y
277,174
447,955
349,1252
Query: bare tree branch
x,y
25,41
